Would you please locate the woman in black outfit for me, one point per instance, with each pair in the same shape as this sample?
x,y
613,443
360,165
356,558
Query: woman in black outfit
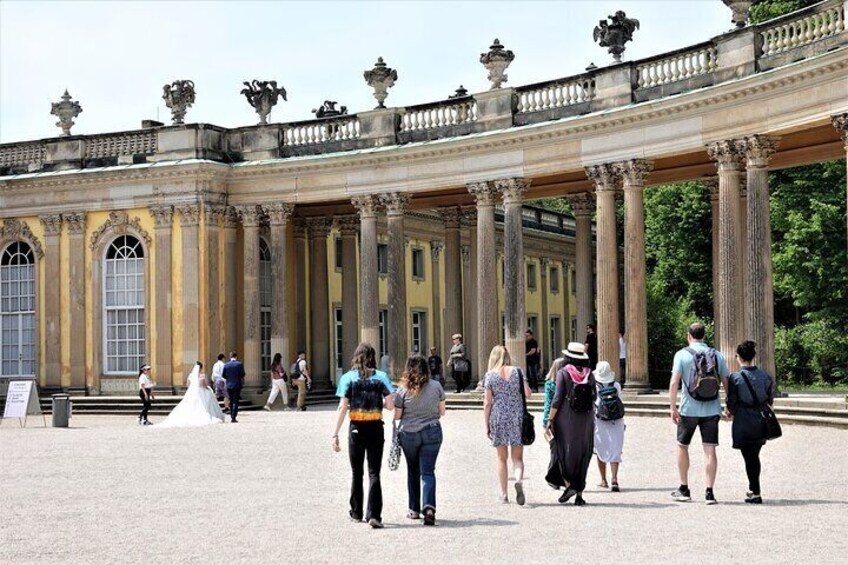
x,y
748,430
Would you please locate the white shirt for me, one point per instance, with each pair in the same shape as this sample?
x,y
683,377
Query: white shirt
x,y
217,370
144,381
301,365
622,348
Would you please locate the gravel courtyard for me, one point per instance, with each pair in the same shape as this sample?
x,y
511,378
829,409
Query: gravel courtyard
x,y
269,489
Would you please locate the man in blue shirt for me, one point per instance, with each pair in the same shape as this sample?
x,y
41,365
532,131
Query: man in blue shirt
x,y
694,413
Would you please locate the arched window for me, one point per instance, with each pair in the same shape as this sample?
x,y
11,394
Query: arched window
x,y
123,305
265,298
17,310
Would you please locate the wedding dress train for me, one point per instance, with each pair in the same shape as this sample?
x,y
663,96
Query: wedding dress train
x,y
199,407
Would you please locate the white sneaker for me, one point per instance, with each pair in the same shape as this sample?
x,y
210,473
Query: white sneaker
x,y
266,407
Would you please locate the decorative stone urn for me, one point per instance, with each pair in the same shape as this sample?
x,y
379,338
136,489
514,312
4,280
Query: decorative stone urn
x,y
741,11
460,92
178,96
616,33
328,110
262,95
496,62
66,111
381,78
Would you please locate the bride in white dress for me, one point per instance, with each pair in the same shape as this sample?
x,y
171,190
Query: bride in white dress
x,y
199,407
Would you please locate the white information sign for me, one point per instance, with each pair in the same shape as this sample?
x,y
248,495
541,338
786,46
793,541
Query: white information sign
x,y
21,400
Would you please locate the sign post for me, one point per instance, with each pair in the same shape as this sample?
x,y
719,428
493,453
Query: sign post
x,y
22,401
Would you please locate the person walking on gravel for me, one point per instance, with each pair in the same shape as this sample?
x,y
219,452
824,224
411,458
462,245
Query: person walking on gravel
x,y
145,392
702,371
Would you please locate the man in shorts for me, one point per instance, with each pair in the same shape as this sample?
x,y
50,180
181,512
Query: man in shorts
x,y
695,414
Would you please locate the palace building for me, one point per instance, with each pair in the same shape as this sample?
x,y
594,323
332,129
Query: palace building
x,y
402,225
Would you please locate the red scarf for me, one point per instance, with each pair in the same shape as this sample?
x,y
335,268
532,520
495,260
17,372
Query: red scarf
x,y
578,377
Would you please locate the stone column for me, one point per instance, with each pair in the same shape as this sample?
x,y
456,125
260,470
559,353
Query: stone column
x,y
228,272
349,227
487,284
300,284
565,290
279,214
606,179
712,184
633,174
212,322
319,303
759,289
163,220
743,251
453,279
583,206
730,291
52,302
469,336
436,249
514,268
369,319
189,215
545,323
841,123
478,369
395,204
251,217
76,287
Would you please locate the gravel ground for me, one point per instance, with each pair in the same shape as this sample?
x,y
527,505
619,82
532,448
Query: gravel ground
x,y
270,489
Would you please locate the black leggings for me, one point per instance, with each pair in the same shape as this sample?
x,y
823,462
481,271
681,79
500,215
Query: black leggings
x,y
145,405
751,455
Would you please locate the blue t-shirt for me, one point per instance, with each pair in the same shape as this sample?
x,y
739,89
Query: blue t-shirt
x,y
688,405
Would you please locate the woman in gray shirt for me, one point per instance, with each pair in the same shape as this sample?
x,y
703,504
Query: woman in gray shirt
x,y
419,403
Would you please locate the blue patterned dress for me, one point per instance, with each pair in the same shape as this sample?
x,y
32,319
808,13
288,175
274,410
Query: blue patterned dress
x,y
507,408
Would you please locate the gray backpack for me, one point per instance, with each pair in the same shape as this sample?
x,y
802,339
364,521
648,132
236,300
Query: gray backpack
x,y
702,380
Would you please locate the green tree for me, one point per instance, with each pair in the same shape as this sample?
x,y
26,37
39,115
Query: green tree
x,y
763,10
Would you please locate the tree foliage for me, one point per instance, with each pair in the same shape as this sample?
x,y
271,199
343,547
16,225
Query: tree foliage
x,y
763,10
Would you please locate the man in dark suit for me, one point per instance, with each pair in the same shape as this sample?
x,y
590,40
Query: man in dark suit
x,y
234,375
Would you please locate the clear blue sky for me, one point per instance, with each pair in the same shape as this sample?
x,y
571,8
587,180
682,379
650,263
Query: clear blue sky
x,y
114,57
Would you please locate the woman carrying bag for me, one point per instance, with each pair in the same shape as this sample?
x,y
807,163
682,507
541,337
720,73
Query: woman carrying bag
x,y
459,364
419,403
750,395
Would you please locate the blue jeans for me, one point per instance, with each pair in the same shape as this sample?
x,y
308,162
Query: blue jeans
x,y
421,449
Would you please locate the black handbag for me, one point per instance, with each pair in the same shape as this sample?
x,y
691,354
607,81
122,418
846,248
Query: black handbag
x,y
771,427
528,428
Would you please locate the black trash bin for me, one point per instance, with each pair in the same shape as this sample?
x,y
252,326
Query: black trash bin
x,y
61,410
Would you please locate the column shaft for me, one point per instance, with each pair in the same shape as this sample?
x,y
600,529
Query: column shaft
x,y
227,272
435,250
301,313
635,294
759,289
545,322
487,303
349,226
369,319
52,303
319,303
730,290
515,320
190,284
212,323
76,259
743,250
252,344
453,279
840,122
712,184
279,214
395,205
162,295
583,206
471,334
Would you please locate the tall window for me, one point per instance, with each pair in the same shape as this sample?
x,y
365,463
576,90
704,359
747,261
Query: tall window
x,y
382,258
554,279
419,331
266,294
533,325
556,343
338,251
418,263
124,305
17,310
573,278
531,276
384,316
337,325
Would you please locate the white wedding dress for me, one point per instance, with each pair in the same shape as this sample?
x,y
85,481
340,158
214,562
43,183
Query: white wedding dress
x,y
199,407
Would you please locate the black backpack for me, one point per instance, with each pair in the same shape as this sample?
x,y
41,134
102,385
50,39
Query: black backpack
x,y
702,381
294,370
581,398
610,407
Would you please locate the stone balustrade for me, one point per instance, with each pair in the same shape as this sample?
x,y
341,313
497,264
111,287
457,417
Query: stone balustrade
x,y
730,56
694,61
802,28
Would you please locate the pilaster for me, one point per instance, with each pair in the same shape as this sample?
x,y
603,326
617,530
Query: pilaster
x,y
52,303
76,290
162,293
319,303
213,319
436,248
349,227
545,324
189,215
251,218
228,280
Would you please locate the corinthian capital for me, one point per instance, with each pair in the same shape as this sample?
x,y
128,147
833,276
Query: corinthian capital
x,y
279,212
451,215
435,249
604,176
189,214
840,122
634,171
484,192
582,204
75,221
729,154
318,227
163,216
513,189
251,215
366,205
758,149
52,224
395,203
348,225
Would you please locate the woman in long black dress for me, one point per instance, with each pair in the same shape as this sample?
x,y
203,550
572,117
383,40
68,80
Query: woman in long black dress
x,y
572,427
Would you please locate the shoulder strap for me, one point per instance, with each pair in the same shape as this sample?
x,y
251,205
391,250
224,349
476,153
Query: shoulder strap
x,y
750,387
691,351
521,387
